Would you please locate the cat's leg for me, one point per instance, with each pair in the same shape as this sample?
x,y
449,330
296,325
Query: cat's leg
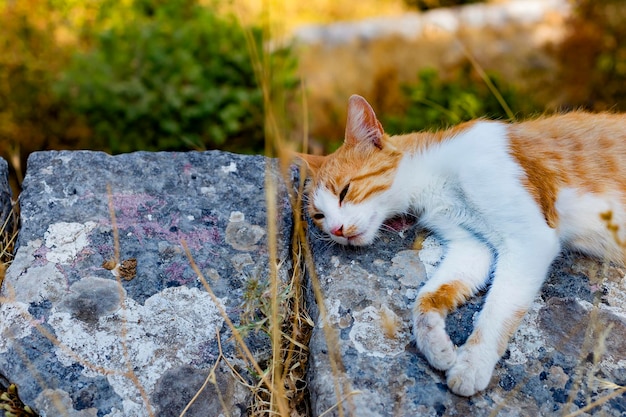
x,y
520,270
463,271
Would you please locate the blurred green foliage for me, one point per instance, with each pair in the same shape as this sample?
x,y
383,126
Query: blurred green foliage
x,y
34,48
172,75
132,75
434,103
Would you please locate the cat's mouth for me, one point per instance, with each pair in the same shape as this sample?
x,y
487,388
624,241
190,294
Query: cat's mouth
x,y
358,239
399,223
396,224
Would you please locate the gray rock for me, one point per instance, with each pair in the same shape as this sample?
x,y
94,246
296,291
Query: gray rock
x,y
5,210
5,195
78,342
569,351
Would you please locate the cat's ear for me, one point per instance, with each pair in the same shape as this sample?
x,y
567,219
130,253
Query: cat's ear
x,y
312,162
362,123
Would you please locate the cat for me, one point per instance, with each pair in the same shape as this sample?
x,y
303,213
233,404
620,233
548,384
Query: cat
x,y
504,197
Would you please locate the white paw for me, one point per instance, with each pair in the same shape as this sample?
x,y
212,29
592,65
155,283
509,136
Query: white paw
x,y
472,371
433,341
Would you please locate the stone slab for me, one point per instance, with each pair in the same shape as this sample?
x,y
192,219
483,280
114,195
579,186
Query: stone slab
x,y
5,192
549,368
5,210
78,342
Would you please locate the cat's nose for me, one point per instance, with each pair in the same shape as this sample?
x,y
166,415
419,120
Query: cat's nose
x,y
337,231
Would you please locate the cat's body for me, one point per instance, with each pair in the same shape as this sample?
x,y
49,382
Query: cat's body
x,y
505,198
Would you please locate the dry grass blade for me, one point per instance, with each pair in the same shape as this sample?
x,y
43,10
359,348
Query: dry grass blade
x,y
494,90
343,392
10,402
236,334
280,388
210,378
345,398
8,238
130,373
285,318
598,402
278,399
12,406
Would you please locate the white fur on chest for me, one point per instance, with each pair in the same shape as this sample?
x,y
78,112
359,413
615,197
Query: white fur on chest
x,y
469,181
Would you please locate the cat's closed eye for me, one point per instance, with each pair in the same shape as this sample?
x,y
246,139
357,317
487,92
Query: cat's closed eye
x,y
318,216
343,193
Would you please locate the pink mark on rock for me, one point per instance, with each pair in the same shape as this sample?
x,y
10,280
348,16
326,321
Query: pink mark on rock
x,y
143,215
175,272
40,256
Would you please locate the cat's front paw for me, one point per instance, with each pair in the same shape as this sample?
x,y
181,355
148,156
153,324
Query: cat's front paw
x,y
433,341
472,371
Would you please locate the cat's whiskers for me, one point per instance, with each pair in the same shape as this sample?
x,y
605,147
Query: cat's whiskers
x,y
320,236
387,228
408,215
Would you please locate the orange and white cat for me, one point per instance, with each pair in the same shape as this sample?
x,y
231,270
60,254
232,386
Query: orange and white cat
x,y
505,198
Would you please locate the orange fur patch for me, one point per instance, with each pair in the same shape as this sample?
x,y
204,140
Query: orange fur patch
x,y
577,149
368,170
350,230
475,339
510,326
313,162
540,181
420,141
445,298
418,243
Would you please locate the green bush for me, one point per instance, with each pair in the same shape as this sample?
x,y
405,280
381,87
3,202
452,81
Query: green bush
x,y
170,75
434,103
31,57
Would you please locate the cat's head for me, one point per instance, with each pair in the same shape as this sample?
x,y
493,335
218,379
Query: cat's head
x,y
350,196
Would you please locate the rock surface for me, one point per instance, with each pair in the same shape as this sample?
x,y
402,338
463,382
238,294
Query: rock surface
x,y
5,193
556,363
80,342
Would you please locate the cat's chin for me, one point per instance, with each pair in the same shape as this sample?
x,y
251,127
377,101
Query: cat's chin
x,y
359,240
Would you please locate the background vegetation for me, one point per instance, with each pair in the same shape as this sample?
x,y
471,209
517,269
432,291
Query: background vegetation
x,y
592,57
178,75
169,76
126,76
435,103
